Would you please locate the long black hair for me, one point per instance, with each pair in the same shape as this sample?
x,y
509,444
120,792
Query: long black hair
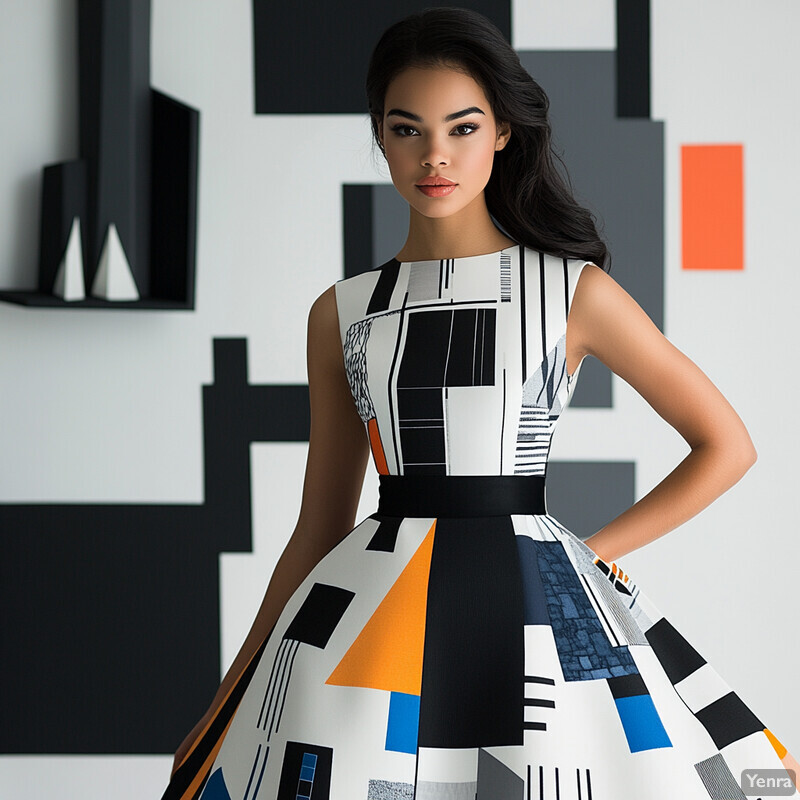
x,y
526,194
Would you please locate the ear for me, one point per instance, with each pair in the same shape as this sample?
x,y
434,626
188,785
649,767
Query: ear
x,y
503,135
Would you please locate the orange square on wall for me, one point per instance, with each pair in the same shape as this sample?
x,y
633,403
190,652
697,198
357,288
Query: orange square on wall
x,y
712,206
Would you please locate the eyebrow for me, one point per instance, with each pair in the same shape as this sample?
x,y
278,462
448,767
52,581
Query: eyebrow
x,y
398,112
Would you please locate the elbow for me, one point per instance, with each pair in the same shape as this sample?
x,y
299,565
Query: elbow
x,y
737,458
739,461
750,455
747,456
743,451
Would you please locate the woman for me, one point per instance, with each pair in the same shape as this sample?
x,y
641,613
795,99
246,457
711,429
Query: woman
x,y
461,642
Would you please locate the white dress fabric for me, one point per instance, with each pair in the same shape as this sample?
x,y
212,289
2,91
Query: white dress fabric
x,y
472,657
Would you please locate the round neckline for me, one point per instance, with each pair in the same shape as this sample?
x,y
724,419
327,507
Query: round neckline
x,y
456,258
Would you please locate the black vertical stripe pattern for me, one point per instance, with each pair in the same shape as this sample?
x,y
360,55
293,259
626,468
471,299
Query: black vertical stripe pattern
x,y
382,293
473,671
522,301
543,306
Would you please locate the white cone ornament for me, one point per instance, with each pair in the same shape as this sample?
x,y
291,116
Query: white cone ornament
x,y
68,284
114,280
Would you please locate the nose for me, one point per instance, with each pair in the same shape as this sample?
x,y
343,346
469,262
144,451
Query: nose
x,y
435,153
433,161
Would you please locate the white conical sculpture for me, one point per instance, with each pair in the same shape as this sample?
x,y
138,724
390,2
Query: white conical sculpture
x,y
114,280
68,284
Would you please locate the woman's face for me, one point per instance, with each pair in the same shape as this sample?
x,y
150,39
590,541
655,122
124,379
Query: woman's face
x,y
419,140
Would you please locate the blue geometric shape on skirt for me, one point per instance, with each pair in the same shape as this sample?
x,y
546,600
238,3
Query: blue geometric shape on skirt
x,y
641,723
583,646
535,599
215,788
307,768
401,730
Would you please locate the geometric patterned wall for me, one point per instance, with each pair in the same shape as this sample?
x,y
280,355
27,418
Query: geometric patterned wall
x,y
117,578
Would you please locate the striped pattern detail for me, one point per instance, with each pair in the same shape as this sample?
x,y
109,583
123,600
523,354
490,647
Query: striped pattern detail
x,y
547,783
191,775
263,761
718,779
534,700
269,716
625,628
505,277
533,440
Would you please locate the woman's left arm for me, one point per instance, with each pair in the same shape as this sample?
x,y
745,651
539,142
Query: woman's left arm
x,y
607,323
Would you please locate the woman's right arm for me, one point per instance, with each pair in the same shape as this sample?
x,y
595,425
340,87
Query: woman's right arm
x,y
338,451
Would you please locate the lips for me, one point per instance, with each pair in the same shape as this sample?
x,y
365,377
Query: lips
x,y
437,190
436,180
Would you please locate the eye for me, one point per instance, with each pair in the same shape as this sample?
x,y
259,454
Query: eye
x,y
400,126
470,126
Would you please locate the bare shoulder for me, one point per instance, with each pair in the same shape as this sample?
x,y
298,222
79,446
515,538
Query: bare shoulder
x,y
606,322
323,314
324,342
604,319
593,287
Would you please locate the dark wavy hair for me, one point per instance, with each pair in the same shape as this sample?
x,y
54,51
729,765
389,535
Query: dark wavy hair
x,y
526,194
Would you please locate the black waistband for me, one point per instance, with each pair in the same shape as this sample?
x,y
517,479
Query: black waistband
x,y
460,495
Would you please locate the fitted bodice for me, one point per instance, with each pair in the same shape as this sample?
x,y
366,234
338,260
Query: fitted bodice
x,y
458,366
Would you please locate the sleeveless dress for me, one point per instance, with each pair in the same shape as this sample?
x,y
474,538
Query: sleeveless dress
x,y
460,647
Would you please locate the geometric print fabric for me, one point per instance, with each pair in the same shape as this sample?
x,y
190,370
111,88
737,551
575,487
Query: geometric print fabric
x,y
471,657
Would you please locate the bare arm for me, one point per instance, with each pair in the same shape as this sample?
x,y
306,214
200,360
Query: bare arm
x,y
606,322
337,458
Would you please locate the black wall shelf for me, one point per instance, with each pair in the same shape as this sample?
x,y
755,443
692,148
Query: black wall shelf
x,y
137,170
33,298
